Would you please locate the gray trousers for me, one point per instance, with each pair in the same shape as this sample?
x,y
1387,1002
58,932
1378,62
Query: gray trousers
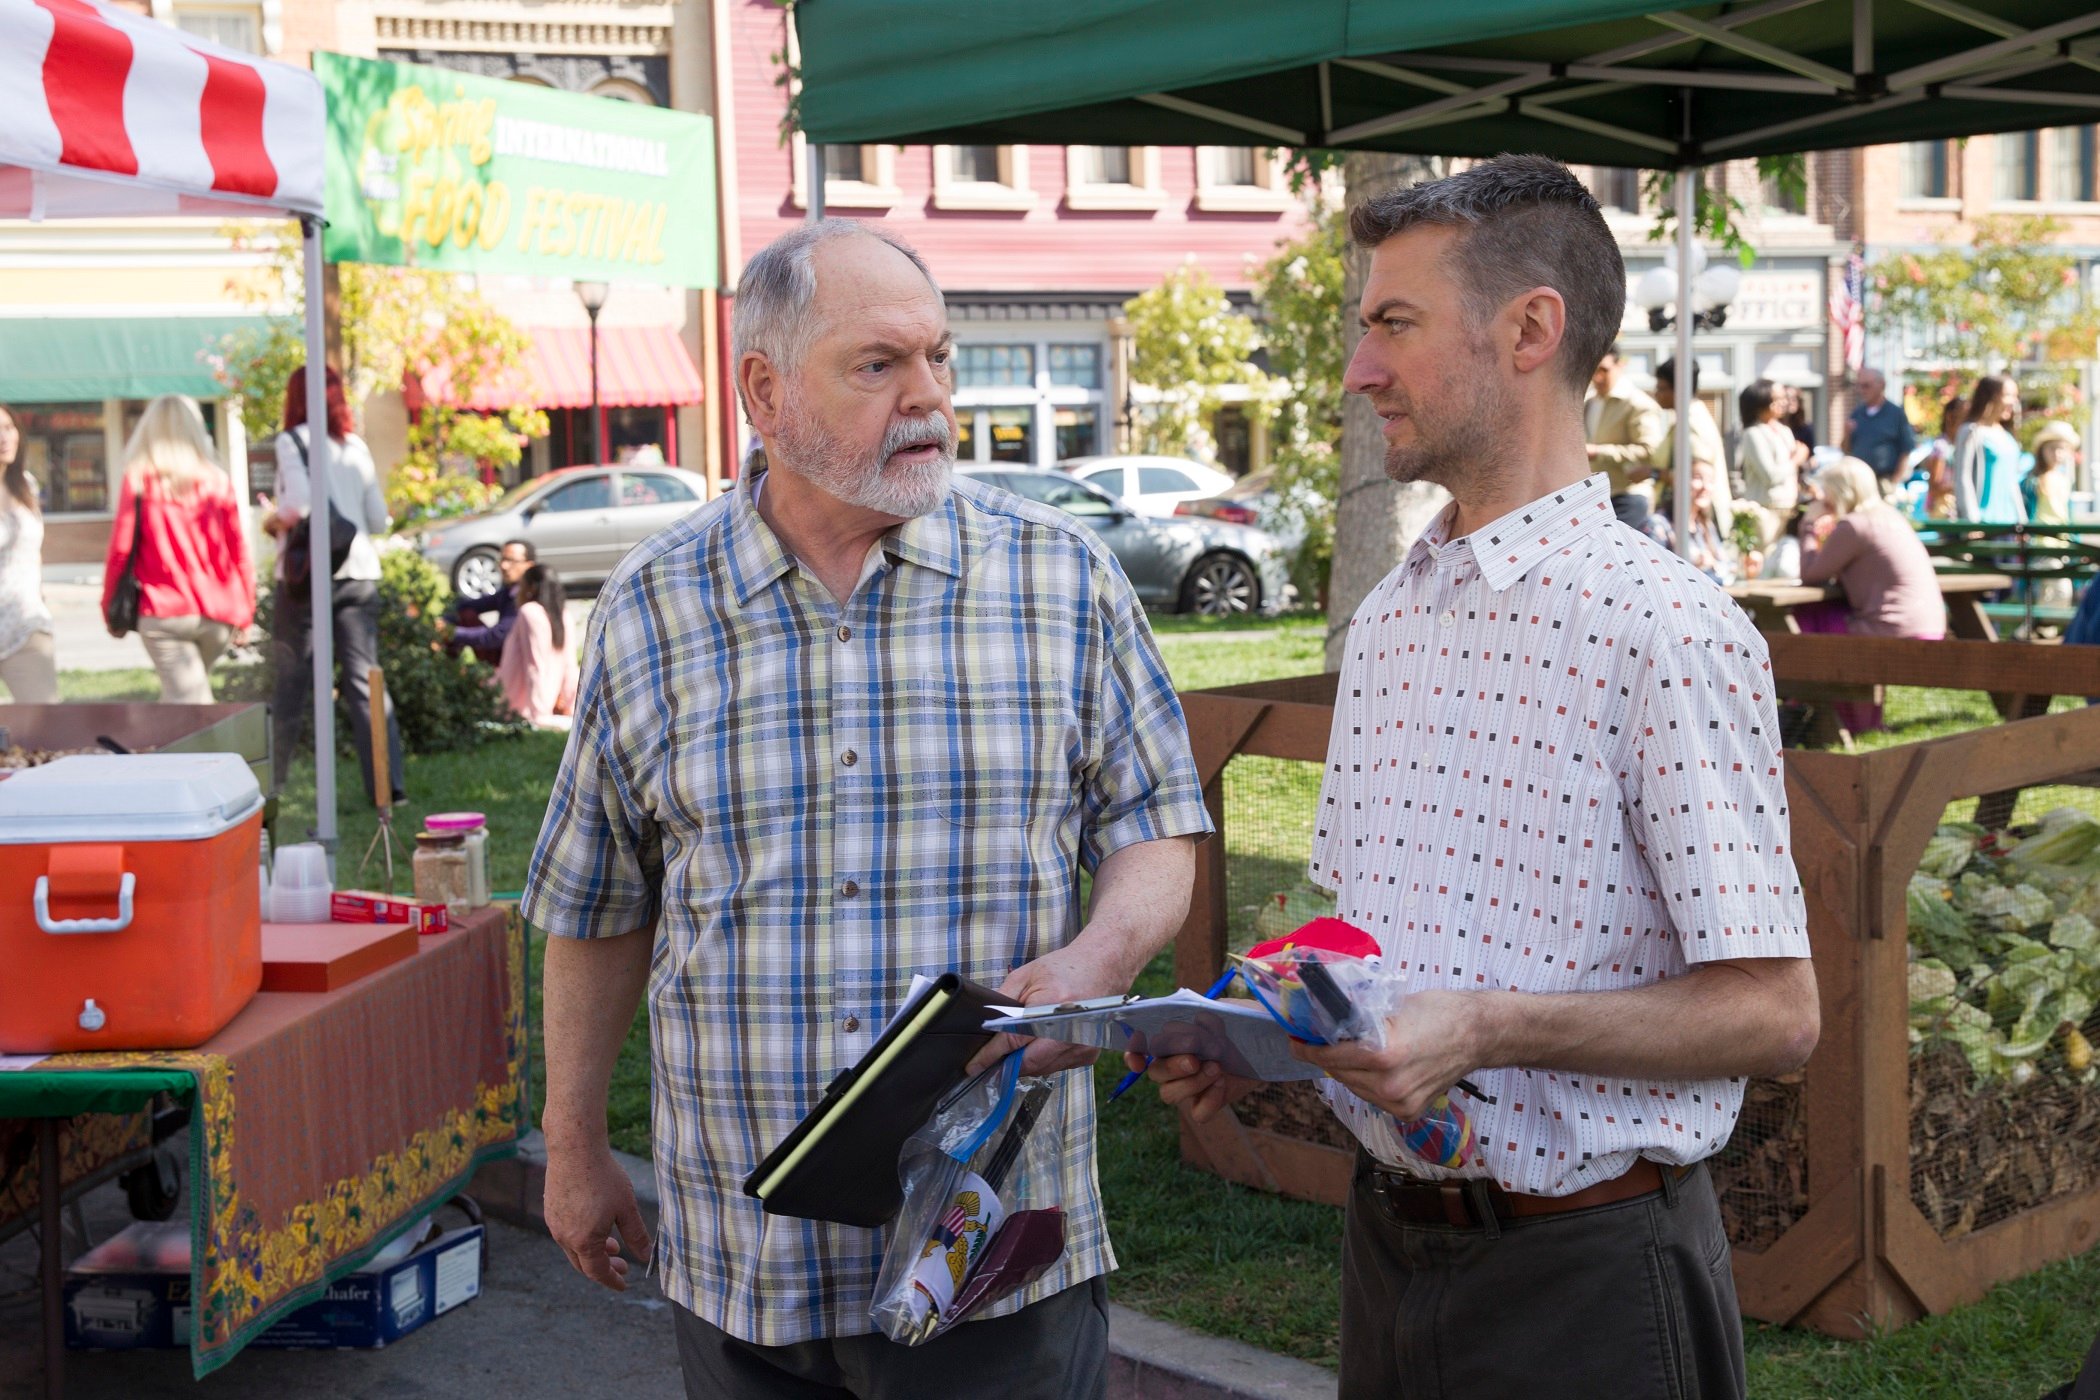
x,y
356,611
1053,1350
1633,1300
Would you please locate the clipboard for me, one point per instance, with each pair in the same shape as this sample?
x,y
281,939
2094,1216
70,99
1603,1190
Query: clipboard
x,y
840,1162
1240,1035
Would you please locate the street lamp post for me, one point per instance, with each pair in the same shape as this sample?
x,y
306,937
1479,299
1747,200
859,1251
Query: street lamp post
x,y
593,295
1700,295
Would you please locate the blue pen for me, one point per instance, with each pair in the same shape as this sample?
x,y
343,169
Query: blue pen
x,y
1217,989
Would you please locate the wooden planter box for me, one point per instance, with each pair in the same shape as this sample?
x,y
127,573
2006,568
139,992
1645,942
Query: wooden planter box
x,y
1843,1246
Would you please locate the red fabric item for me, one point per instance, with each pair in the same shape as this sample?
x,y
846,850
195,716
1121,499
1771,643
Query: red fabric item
x,y
1329,935
193,555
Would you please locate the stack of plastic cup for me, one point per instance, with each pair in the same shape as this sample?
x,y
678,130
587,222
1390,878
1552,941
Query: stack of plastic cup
x,y
299,887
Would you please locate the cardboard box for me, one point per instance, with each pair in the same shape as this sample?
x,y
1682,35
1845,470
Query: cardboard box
x,y
366,907
323,957
133,1291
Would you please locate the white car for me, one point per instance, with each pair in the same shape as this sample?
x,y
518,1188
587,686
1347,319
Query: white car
x,y
1151,486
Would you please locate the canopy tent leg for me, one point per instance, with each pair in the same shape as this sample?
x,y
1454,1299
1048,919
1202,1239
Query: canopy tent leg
x,y
1681,468
813,182
320,448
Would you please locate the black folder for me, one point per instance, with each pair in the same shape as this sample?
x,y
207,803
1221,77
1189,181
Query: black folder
x,y
840,1162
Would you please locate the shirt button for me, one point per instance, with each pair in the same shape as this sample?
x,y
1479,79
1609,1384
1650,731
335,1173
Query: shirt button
x,y
849,758
1448,618
850,888
845,633
853,1023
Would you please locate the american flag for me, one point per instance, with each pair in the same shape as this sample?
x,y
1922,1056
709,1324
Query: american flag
x,y
1848,312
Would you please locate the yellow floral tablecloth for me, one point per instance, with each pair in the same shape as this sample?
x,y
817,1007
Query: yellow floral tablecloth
x,y
323,1122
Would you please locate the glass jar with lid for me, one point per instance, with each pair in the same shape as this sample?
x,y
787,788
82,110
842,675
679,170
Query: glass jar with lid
x,y
441,870
472,827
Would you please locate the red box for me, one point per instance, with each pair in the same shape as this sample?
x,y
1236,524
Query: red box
x,y
323,957
365,907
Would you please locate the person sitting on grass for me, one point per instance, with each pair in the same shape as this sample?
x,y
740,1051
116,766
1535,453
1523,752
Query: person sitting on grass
x,y
537,670
469,633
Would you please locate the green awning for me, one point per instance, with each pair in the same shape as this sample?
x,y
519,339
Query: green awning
x,y
1591,81
67,359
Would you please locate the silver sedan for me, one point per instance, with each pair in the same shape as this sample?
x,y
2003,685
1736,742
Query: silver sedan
x,y
1182,563
581,520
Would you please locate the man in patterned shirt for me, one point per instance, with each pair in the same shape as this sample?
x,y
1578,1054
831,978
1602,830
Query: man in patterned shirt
x,y
1554,796
853,721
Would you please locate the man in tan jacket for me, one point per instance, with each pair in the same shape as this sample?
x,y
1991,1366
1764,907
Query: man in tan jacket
x,y
1623,427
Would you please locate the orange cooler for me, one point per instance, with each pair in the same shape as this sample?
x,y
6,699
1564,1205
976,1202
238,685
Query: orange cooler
x,y
130,916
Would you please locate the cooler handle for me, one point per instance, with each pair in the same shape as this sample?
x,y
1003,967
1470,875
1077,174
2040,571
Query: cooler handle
x,y
117,925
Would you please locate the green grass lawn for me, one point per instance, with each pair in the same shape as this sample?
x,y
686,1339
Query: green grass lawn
x,y
1225,1259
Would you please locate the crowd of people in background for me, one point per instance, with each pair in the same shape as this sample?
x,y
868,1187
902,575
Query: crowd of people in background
x,y
180,544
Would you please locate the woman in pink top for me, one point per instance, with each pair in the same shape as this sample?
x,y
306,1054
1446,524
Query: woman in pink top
x,y
1861,543
196,584
538,671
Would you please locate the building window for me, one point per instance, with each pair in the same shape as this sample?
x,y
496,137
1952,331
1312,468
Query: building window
x,y
65,448
1240,180
1101,165
2016,165
843,163
1925,170
1078,431
1779,197
981,177
1076,366
855,177
995,366
2071,164
1616,187
1113,177
237,27
1012,431
974,165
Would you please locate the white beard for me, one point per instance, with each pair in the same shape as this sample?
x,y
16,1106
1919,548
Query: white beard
x,y
840,471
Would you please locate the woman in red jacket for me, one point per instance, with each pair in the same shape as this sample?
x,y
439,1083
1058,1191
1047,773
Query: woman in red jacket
x,y
196,583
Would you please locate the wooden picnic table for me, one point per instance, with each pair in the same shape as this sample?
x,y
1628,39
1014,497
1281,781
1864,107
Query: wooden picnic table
x,y
1771,603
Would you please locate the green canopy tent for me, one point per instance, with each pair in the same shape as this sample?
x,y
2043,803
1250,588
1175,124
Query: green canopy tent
x,y
1665,86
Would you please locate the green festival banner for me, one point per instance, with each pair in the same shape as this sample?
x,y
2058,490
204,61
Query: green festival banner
x,y
431,168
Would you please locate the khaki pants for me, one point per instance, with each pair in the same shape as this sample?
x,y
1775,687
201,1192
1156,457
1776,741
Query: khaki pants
x,y
183,649
30,672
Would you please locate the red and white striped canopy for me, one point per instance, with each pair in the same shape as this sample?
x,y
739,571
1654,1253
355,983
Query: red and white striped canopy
x,y
108,113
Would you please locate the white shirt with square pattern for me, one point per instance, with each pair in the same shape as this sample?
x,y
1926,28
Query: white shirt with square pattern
x,y
1555,768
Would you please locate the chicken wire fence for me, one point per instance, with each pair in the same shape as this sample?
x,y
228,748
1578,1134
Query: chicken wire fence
x,y
2004,919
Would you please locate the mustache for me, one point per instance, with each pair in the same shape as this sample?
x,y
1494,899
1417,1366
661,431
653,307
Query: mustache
x,y
936,428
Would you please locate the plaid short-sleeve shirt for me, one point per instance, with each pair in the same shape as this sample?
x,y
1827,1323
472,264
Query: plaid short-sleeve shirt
x,y
811,803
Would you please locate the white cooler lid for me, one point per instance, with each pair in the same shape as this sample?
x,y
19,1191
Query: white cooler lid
x,y
127,797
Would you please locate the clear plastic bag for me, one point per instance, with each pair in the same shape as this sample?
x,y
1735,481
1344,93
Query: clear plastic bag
x,y
1322,996
1441,1137
953,1171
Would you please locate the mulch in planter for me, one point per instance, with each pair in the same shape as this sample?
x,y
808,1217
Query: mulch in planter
x,y
1761,1176
1984,1152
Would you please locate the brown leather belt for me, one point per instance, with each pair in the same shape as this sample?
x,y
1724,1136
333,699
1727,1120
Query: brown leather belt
x,y
1458,1202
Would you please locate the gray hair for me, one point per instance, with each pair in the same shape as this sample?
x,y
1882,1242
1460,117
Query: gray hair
x,y
772,298
1523,222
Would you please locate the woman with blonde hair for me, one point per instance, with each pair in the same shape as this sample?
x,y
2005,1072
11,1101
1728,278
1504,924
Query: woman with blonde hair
x,y
178,531
1866,546
28,660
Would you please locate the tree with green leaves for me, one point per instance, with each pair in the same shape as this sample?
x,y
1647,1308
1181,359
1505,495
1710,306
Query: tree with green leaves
x,y
1188,346
394,320
2007,303
1299,291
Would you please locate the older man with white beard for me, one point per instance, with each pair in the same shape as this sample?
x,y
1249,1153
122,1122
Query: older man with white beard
x,y
854,721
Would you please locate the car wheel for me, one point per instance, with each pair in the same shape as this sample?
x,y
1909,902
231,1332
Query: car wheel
x,y
478,574
1221,585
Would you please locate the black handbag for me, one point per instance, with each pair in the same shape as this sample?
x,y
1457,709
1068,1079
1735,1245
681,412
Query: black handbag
x,y
121,612
299,544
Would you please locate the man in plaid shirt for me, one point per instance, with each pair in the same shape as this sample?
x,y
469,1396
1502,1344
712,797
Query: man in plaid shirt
x,y
851,722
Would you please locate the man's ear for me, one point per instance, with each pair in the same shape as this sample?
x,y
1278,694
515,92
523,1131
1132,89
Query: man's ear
x,y
763,389
1541,324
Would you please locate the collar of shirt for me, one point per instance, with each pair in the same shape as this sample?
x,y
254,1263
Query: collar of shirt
x,y
1505,550
758,559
